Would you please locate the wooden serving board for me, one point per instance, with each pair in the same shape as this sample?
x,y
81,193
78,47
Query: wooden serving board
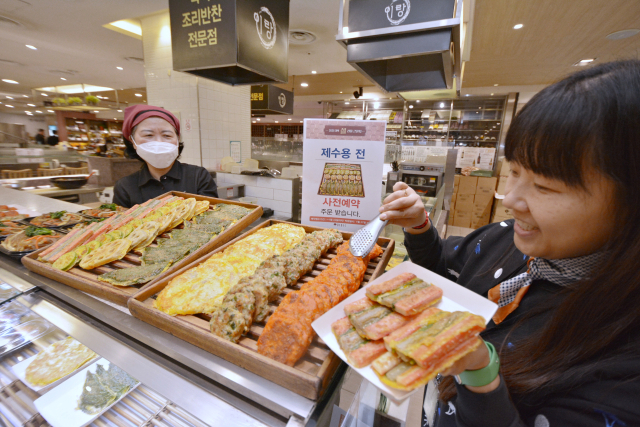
x,y
87,280
311,374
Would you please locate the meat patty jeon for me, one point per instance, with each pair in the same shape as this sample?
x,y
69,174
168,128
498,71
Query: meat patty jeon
x,y
288,333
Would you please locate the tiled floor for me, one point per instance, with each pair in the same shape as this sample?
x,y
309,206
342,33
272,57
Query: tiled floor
x,y
352,383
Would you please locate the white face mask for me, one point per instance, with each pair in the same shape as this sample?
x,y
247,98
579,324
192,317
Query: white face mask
x,y
158,154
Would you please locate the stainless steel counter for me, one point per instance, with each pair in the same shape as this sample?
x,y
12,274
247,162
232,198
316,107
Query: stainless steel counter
x,y
205,385
35,202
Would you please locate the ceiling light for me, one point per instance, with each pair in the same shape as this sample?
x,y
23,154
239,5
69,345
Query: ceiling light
x,y
304,84
410,106
115,118
31,105
138,95
119,111
50,111
277,121
340,91
467,95
127,25
346,103
31,47
584,62
13,82
300,121
496,84
442,105
44,94
376,105
619,35
258,119
288,119
491,94
314,72
96,111
253,121
10,106
62,78
38,111
517,26
9,97
418,101
25,96
120,68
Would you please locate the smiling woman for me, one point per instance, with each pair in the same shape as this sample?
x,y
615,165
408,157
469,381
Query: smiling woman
x,y
152,134
564,272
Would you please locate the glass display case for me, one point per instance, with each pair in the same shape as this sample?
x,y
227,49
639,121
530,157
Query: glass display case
x,y
283,148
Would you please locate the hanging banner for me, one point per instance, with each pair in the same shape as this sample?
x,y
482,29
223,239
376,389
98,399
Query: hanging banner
x,y
343,162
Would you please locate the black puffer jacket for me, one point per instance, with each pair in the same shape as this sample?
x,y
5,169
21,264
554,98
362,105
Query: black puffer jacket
x,y
608,397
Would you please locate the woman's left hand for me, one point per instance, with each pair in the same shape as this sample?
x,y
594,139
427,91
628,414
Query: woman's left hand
x,y
477,359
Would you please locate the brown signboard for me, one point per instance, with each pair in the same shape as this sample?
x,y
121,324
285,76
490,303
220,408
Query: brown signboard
x,y
269,99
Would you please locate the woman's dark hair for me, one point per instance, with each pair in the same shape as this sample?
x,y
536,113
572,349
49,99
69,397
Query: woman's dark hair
x,y
130,151
588,121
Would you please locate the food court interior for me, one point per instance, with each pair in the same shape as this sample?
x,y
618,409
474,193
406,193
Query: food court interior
x,y
68,71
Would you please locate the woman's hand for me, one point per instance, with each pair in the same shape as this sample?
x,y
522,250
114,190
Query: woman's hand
x,y
404,208
477,359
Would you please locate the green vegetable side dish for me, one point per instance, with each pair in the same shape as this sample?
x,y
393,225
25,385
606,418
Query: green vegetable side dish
x,y
57,215
31,231
110,206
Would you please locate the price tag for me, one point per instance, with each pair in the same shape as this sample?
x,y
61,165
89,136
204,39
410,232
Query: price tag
x,y
229,192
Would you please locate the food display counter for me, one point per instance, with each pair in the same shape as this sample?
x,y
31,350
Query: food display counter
x,y
182,383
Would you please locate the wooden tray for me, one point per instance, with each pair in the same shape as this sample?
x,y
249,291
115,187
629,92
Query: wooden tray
x,y
311,374
87,281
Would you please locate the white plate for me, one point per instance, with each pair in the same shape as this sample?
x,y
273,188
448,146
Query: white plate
x,y
20,369
455,298
59,406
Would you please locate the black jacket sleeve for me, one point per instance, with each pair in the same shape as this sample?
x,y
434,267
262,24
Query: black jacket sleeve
x,y
120,195
206,184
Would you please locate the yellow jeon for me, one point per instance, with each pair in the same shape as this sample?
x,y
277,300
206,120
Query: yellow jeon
x,y
57,361
202,288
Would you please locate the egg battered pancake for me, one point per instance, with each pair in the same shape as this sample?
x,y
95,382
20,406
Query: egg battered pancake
x,y
202,289
198,290
57,361
105,254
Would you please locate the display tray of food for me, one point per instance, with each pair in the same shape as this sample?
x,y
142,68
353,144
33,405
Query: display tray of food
x,y
29,240
252,301
60,219
8,228
106,210
402,329
114,258
11,213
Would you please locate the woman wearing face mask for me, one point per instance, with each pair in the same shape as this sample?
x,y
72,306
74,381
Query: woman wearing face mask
x,y
152,134
564,347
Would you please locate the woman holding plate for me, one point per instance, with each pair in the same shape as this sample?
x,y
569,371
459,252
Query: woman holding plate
x,y
563,348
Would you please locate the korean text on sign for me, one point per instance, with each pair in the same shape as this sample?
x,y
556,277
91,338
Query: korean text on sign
x,y
203,16
345,153
203,38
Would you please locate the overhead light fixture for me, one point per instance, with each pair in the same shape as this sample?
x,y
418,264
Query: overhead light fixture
x,y
314,72
619,35
139,95
410,106
518,26
119,111
10,106
62,78
491,94
340,91
31,105
496,84
31,47
9,97
376,105
442,105
13,82
44,94
300,121
277,121
346,103
115,118
129,27
418,101
120,68
96,111
258,119
25,96
38,111
584,62
50,111
253,121
304,84
288,119
467,95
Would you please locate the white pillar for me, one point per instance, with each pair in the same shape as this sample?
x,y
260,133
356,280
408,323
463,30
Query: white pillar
x,y
217,113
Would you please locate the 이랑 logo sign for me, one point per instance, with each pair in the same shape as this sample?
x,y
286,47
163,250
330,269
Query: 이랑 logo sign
x,y
282,100
266,26
398,11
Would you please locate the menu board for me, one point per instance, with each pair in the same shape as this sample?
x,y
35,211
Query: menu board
x,y
343,162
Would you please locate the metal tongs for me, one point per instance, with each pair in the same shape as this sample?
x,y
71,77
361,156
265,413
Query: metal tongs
x,y
363,240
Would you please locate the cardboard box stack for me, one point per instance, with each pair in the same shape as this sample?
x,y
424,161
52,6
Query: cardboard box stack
x,y
472,201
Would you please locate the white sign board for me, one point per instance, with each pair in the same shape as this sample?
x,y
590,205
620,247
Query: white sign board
x,y
343,161
481,158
